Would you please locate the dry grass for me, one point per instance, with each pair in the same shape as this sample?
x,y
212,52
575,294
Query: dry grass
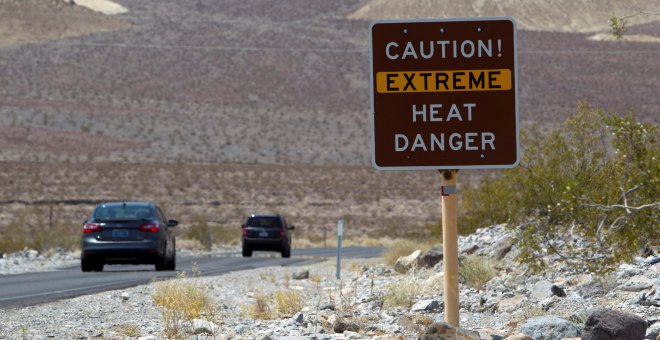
x,y
476,271
261,309
182,301
278,304
128,330
402,248
288,302
402,293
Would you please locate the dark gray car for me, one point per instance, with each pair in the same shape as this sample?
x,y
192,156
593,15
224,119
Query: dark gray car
x,y
128,233
266,232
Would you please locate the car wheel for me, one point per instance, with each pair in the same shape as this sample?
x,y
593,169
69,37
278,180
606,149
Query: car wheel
x,y
171,262
286,252
98,266
161,263
86,265
247,252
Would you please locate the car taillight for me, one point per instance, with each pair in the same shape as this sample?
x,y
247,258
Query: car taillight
x,y
245,233
91,228
150,228
282,233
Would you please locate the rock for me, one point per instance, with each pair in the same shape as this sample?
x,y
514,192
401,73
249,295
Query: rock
x,y
541,290
608,324
351,335
405,263
432,257
651,260
443,331
626,270
637,284
519,336
653,332
469,249
341,326
502,248
302,275
147,337
200,326
426,306
125,296
591,289
557,291
511,304
549,327
241,329
327,306
298,318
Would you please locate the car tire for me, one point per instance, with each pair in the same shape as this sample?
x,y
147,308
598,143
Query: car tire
x,y
161,263
286,252
247,252
171,262
98,266
86,265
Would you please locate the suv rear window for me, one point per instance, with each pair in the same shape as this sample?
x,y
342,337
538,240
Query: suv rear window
x,y
264,222
122,212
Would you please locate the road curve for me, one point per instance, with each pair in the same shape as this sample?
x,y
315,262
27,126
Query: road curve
x,y
29,289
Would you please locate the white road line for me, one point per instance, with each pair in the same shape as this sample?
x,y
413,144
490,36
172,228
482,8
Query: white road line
x,y
62,291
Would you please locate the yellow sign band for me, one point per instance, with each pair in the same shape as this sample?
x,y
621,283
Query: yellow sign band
x,y
443,81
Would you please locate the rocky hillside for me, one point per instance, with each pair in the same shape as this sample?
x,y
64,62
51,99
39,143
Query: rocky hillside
x,y
375,301
288,83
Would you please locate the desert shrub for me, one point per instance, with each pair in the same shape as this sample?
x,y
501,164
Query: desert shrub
x,y
261,308
288,302
208,235
182,301
32,228
281,303
587,191
400,248
476,271
402,293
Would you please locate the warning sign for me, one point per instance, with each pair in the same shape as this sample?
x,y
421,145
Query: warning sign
x,y
444,94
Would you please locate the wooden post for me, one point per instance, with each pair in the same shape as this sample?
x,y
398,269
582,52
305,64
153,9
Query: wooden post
x,y
450,246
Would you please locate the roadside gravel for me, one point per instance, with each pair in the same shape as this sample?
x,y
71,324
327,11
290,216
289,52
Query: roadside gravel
x,y
371,301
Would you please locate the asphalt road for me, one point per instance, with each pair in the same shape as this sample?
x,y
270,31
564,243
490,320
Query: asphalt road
x,y
35,288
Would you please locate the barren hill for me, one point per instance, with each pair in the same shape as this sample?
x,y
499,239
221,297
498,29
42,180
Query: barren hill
x,y
286,82
575,16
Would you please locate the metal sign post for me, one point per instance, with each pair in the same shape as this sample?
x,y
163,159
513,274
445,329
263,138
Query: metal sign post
x,y
340,234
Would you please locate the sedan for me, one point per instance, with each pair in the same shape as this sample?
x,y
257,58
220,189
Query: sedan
x,y
128,233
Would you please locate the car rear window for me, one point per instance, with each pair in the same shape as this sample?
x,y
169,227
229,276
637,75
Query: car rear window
x,y
122,212
264,222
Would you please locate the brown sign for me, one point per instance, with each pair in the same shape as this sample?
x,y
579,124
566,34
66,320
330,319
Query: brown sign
x,y
444,94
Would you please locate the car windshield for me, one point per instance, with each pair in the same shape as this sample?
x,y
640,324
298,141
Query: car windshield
x,y
264,222
122,212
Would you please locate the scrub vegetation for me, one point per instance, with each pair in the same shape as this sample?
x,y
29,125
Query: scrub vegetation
x,y
592,183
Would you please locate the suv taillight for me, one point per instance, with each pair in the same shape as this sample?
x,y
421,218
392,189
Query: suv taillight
x,y
245,232
150,228
91,228
282,233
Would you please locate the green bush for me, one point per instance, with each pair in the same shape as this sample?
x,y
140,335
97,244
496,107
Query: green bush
x,y
594,179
